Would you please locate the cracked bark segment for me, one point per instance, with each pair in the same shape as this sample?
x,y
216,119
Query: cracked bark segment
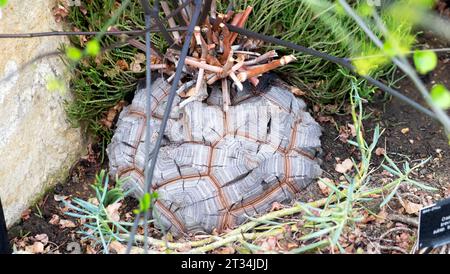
x,y
194,203
281,194
214,168
268,174
203,123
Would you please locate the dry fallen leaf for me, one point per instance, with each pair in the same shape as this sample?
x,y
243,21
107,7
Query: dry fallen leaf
x,y
380,151
118,247
345,166
123,65
60,12
90,250
82,38
269,243
344,134
410,207
113,211
368,218
352,129
225,250
54,220
66,224
381,216
325,119
26,214
43,238
36,248
112,113
276,206
59,198
135,67
323,187
297,91
405,130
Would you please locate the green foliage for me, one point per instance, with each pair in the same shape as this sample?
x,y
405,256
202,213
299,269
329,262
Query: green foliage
x,y
74,54
145,202
329,223
3,3
93,48
98,224
425,61
441,96
112,195
403,177
347,201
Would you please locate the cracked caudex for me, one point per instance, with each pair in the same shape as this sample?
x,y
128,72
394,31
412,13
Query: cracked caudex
x,y
215,168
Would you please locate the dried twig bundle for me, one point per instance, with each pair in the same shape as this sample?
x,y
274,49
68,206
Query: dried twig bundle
x,y
218,54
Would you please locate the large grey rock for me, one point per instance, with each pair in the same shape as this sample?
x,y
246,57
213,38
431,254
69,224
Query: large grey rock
x,y
37,144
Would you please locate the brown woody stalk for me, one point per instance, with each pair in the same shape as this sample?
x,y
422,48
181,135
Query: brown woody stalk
x,y
171,21
236,81
225,95
266,67
201,72
190,61
261,58
241,23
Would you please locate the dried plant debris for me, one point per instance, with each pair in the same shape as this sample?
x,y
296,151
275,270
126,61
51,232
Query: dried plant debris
x,y
217,55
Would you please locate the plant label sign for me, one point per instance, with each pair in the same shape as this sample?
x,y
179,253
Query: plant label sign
x,y
434,225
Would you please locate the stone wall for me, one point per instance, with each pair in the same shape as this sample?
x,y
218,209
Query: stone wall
x,y
37,144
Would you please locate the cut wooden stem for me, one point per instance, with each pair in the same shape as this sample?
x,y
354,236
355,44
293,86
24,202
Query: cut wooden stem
x,y
185,87
213,9
266,67
247,52
212,60
218,22
236,19
213,79
228,15
201,72
239,63
197,35
254,81
158,66
171,21
227,67
241,23
225,95
226,43
259,59
135,43
226,73
190,61
236,81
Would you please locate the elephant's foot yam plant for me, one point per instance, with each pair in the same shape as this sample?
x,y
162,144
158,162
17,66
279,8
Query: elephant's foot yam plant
x,y
217,168
246,127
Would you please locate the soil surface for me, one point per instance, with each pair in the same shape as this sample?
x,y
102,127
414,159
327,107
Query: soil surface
x,y
408,136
